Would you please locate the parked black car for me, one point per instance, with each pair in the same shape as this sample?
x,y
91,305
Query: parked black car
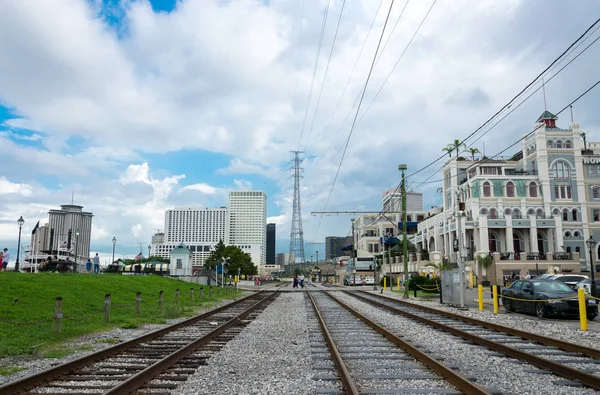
x,y
545,294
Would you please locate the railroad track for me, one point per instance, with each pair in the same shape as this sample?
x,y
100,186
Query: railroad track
x,y
571,361
154,363
354,355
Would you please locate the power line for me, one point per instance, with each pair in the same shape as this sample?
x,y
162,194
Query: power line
x,y
487,160
518,105
358,109
314,70
398,61
507,105
337,28
348,82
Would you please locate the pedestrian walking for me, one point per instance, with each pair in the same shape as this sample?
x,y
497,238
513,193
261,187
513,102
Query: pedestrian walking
x,y
5,259
309,281
96,264
295,285
88,266
301,280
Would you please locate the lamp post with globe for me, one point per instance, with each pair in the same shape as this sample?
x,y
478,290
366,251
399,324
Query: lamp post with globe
x,y
591,243
20,222
114,240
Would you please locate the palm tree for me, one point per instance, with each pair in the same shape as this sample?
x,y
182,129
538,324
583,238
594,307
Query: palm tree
x,y
584,135
449,150
457,144
473,151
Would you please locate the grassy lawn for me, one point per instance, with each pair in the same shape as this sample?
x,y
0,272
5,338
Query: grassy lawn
x,y
29,299
420,294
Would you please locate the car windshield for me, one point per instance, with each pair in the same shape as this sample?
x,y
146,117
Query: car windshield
x,y
551,286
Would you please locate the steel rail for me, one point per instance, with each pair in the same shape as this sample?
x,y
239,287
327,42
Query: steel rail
x,y
132,384
567,372
345,377
52,374
563,345
454,378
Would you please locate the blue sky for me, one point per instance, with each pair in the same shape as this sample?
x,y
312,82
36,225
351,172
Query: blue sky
x,y
137,106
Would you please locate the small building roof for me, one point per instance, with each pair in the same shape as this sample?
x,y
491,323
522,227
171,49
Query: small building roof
x,y
181,249
546,115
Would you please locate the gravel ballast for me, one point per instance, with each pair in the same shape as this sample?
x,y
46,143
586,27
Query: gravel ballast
x,y
492,371
271,356
556,330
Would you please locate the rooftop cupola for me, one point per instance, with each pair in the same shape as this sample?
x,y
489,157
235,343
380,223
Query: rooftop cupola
x,y
548,118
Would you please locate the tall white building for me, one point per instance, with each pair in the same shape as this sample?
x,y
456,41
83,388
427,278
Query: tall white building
x,y
248,223
64,224
199,228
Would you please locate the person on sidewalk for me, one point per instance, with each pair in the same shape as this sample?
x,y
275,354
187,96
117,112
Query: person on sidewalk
x,y
96,264
88,266
5,259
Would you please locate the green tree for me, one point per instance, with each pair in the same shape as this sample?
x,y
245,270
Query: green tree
x,y
584,137
473,151
237,259
449,148
456,145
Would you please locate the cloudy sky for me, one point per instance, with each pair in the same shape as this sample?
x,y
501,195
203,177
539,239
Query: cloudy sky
x,y
135,106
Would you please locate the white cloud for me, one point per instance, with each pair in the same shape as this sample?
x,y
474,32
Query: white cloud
x,y
233,78
278,220
7,187
23,137
98,233
136,230
243,184
202,187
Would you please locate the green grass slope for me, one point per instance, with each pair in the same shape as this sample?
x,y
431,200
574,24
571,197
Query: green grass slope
x,y
27,306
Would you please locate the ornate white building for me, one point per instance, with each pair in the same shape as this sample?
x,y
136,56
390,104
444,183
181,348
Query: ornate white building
x,y
532,212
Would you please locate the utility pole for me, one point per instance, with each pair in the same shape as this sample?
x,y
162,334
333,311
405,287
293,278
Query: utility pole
x,y
403,167
458,249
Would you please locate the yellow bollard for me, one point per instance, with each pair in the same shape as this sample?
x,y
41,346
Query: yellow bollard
x,y
384,283
480,296
495,296
398,283
582,310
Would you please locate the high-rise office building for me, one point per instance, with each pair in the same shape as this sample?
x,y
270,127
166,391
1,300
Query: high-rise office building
x,y
247,223
69,231
334,245
271,244
199,228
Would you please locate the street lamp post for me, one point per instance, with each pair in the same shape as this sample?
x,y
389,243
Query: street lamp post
x,y
591,243
149,248
317,252
20,222
76,245
114,240
403,167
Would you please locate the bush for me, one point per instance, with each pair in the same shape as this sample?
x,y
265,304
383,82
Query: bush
x,y
424,284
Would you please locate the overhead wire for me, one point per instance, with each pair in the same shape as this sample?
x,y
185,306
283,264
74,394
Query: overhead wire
x,y
358,109
514,98
337,28
315,67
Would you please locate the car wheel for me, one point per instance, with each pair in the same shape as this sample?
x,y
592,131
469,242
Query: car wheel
x,y
540,310
507,305
592,317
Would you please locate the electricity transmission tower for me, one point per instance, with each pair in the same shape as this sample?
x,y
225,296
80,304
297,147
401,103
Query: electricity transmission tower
x,y
296,234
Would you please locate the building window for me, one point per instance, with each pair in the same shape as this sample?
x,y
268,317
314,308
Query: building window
x,y
558,144
596,215
565,215
516,213
483,211
493,213
533,189
507,212
550,144
540,213
596,192
560,170
574,214
576,234
568,144
562,192
179,264
567,234
510,189
487,189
